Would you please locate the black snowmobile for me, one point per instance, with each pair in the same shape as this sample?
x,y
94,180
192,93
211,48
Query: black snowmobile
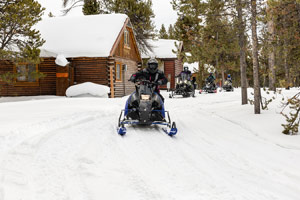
x,y
184,87
228,86
209,88
145,107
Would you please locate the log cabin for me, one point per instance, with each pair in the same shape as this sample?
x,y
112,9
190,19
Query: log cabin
x,y
168,53
97,48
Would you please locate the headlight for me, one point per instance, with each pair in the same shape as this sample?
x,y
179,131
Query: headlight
x,y
180,82
185,81
145,97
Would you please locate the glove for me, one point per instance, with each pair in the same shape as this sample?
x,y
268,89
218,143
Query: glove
x,y
159,82
132,79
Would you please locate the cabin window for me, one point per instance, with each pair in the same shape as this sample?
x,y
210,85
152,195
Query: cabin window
x,y
126,38
118,72
26,74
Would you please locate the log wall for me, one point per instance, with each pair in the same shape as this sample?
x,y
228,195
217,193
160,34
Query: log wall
x,y
47,85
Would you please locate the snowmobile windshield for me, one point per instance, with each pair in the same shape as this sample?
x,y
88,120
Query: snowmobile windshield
x,y
146,89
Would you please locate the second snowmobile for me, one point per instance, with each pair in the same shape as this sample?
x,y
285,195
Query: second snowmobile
x,y
184,87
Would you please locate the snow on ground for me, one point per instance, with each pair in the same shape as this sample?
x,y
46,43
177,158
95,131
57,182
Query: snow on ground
x,y
68,148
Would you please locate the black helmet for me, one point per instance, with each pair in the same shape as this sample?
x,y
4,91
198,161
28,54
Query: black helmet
x,y
152,65
185,68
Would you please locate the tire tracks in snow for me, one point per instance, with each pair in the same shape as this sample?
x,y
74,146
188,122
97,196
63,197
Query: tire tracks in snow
x,y
25,151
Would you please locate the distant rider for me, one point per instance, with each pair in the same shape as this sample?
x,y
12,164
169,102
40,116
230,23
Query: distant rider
x,y
229,79
211,79
152,74
187,72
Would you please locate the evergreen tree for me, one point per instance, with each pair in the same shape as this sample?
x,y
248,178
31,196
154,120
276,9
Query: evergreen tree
x,y
171,32
163,33
287,30
18,40
257,97
208,35
271,46
91,7
240,25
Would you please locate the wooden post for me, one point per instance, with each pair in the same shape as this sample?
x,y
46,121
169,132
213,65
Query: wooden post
x,y
111,64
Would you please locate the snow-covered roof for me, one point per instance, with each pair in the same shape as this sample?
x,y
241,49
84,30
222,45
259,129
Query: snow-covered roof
x,y
80,36
163,48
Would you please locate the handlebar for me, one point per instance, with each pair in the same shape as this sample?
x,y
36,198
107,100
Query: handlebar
x,y
145,81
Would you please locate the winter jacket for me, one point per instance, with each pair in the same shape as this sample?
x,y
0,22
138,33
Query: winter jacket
x,y
158,77
210,79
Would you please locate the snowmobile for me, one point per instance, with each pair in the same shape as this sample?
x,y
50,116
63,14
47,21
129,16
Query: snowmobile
x,y
228,86
145,107
184,87
209,88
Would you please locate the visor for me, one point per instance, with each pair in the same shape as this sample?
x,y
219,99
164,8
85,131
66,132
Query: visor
x,y
153,66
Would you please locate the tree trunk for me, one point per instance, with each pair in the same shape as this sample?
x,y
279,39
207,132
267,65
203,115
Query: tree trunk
x,y
271,57
223,75
285,54
255,58
286,66
242,44
200,81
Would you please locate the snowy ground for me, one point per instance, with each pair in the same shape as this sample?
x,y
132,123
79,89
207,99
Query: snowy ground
x,y
55,148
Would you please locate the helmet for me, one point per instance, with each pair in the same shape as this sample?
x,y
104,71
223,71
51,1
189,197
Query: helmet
x,y
228,76
152,65
185,68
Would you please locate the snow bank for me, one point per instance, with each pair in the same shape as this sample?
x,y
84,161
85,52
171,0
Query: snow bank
x,y
162,49
88,89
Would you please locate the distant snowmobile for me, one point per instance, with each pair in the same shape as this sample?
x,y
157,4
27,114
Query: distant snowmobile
x,y
184,87
209,88
145,107
228,86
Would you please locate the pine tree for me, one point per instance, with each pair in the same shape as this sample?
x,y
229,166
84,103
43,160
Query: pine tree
x,y
257,97
271,47
293,118
242,47
163,33
208,34
91,7
171,32
19,41
287,31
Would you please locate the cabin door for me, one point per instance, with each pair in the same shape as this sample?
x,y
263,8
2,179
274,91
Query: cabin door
x,y
62,80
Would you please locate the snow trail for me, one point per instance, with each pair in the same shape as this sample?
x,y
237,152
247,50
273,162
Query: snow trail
x,y
69,149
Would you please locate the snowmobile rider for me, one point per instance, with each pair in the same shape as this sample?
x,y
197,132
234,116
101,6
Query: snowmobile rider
x,y
211,79
187,72
229,79
152,74
188,76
